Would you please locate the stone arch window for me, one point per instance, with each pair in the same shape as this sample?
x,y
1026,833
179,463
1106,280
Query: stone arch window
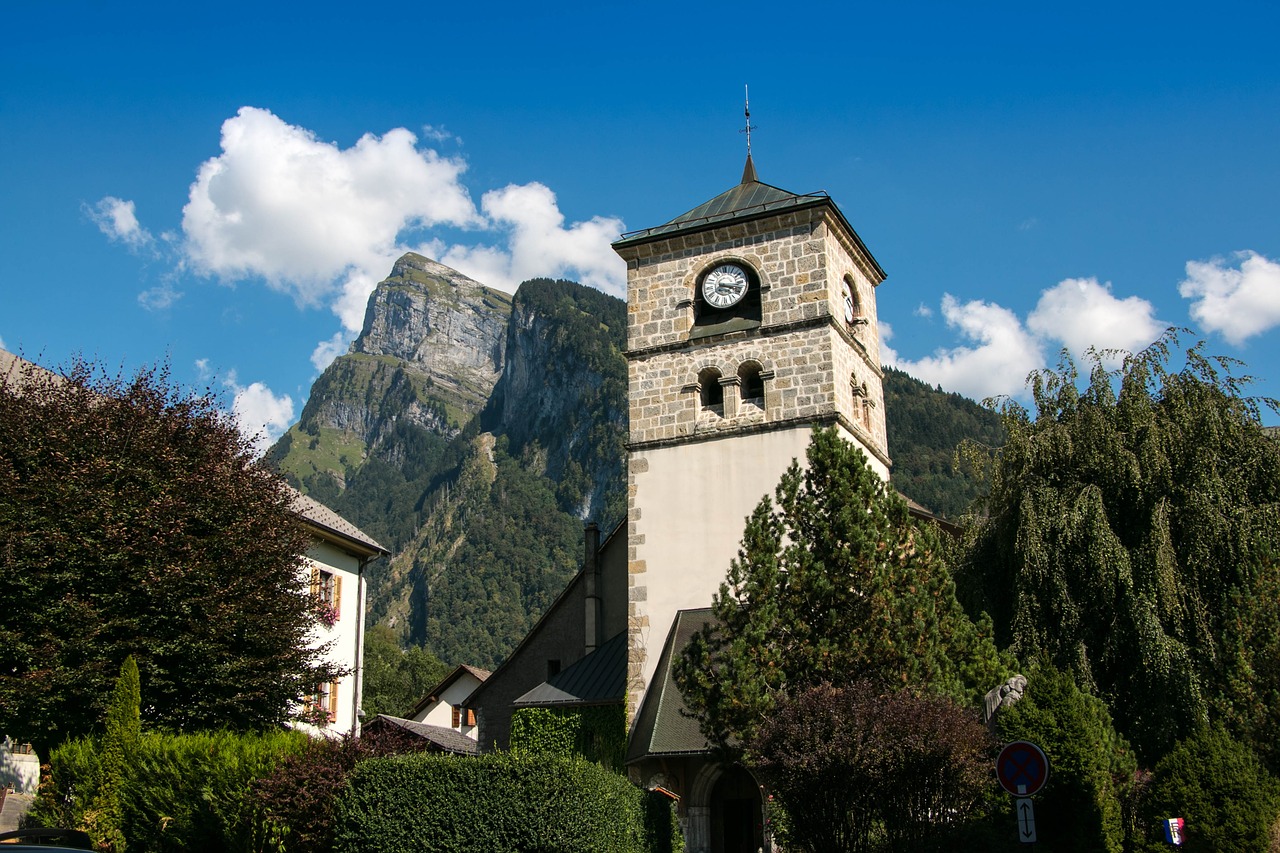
x,y
851,303
751,383
862,403
711,392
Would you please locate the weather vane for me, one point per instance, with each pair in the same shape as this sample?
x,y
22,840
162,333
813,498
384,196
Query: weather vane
x,y
746,100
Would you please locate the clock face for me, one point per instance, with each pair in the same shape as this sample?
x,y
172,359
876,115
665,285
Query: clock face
x,y
848,303
725,286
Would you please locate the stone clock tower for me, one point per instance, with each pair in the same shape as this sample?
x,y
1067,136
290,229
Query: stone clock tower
x,y
751,318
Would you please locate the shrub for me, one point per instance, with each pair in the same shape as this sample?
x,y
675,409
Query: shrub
x,y
296,799
496,803
185,792
1091,767
1229,800
860,769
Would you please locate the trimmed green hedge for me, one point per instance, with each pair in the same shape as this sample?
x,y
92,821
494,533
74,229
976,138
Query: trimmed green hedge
x,y
597,733
498,803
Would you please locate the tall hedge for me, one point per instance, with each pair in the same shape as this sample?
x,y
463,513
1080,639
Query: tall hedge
x,y
496,803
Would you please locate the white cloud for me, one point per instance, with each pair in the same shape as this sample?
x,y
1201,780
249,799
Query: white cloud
x,y
159,297
260,414
1080,313
1004,354
1239,302
539,244
118,219
324,223
888,355
326,351
923,310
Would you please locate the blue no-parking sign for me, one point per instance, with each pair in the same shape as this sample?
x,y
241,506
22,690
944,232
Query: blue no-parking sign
x,y
1022,768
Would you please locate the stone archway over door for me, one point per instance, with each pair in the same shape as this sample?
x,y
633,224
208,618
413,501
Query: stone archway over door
x,y
737,824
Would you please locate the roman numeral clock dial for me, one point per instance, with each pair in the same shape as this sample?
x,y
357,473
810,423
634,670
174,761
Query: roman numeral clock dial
x,y
725,286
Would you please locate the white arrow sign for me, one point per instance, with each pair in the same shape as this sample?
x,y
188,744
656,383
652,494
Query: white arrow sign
x,y
1026,821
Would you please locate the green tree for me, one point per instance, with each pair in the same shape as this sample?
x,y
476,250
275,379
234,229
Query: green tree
x,y
1082,806
834,582
1249,704
396,679
1217,784
1121,518
134,521
119,751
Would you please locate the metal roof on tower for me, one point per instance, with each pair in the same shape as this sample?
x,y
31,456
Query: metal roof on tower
x,y
750,199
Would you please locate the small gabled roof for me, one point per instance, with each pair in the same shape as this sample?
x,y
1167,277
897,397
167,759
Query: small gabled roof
x,y
600,678
448,740
433,695
663,725
334,527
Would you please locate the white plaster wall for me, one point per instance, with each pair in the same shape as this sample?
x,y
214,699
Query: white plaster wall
x,y
343,635
19,770
440,713
693,501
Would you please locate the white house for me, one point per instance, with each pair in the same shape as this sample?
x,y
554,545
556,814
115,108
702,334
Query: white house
x,y
334,570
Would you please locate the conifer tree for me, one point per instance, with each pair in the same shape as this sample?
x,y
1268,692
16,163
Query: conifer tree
x,y
834,583
119,748
1122,519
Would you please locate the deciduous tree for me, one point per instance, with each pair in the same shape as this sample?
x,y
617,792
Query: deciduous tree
x,y
134,521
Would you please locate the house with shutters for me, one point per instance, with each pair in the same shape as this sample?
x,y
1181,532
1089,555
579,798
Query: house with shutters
x,y
333,568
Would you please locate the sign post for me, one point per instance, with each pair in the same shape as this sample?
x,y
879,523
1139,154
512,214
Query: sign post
x,y
1022,769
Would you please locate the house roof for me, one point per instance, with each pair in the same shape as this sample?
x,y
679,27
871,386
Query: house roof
x,y
599,678
750,199
448,740
619,530
664,726
334,527
433,695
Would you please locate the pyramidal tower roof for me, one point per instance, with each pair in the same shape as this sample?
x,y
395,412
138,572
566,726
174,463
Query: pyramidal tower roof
x,y
750,199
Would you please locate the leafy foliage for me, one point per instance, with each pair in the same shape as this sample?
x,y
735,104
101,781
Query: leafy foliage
x,y
834,583
184,792
860,769
1249,704
395,679
596,733
501,803
1121,519
1229,800
133,521
297,798
925,426
1082,806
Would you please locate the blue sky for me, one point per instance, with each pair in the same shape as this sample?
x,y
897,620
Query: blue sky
x,y
221,186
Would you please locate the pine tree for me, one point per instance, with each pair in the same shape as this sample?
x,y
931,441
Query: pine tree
x,y
834,582
105,820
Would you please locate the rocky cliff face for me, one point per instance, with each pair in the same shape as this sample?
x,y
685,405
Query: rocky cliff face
x,y
561,401
432,347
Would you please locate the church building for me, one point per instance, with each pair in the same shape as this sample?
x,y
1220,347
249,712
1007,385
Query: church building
x,y
751,319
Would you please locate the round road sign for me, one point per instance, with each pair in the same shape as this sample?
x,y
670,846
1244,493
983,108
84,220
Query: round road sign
x,y
1022,768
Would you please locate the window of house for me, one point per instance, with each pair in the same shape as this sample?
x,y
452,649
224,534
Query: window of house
x,y
712,394
325,702
326,592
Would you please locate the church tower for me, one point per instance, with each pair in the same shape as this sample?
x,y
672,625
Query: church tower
x,y
750,319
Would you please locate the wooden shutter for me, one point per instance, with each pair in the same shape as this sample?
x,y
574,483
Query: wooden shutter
x,y
457,716
471,716
315,582
337,596
333,701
